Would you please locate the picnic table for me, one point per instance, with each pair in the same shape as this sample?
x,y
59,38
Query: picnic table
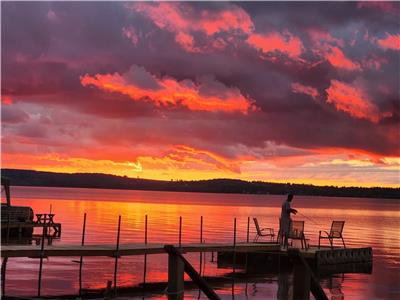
x,y
45,218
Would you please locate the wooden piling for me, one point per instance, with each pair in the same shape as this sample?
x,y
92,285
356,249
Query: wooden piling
x,y
234,258
248,230
41,261
201,241
8,228
301,281
145,255
175,290
3,276
81,258
116,256
180,232
188,269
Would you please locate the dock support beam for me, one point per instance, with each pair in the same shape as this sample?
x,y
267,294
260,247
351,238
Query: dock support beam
x,y
176,269
301,281
309,280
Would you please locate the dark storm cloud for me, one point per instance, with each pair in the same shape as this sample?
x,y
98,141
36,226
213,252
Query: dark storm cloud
x,y
47,46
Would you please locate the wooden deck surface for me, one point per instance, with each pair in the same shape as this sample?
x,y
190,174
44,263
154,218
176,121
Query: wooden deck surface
x,y
127,249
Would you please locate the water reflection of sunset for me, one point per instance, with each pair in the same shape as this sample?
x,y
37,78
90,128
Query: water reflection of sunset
x,y
379,229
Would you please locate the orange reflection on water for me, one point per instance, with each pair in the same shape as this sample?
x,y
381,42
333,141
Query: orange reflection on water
x,y
369,222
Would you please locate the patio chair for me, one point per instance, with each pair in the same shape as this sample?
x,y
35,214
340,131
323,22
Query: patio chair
x,y
335,233
262,232
296,232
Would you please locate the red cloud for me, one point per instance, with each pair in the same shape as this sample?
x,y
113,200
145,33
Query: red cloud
x,y
274,41
352,100
183,20
303,89
329,47
391,41
337,59
137,83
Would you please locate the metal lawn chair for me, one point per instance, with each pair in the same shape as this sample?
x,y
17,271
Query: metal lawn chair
x,y
296,232
262,232
335,233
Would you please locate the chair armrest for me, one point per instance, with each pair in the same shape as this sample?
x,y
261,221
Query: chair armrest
x,y
323,231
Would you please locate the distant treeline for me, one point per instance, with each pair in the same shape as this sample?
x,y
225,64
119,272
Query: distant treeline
x,y
104,181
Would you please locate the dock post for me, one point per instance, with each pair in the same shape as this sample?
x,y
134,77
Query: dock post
x,y
3,276
116,256
145,255
41,261
180,231
81,259
234,258
201,241
248,230
176,267
8,229
301,281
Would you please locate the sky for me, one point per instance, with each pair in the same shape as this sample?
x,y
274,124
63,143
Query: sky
x,y
272,91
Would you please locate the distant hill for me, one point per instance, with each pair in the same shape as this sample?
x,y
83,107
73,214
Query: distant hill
x,y
105,181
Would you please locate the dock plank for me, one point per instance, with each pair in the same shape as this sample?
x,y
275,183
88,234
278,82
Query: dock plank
x,y
127,249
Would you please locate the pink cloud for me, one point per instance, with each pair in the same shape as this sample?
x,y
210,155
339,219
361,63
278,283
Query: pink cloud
x,y
205,95
320,37
352,100
274,41
330,49
182,20
304,89
131,34
384,6
391,41
337,59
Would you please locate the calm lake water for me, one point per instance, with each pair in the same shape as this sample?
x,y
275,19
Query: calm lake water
x,y
369,222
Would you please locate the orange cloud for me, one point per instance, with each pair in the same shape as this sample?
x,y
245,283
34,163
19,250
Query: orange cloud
x,y
185,157
352,100
138,84
274,41
329,47
391,41
303,89
337,59
183,20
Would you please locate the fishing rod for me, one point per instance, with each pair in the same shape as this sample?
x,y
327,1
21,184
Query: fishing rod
x,y
309,219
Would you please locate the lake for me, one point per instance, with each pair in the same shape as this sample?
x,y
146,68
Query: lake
x,y
369,222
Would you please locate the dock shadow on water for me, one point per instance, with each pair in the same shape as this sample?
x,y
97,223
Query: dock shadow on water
x,y
137,265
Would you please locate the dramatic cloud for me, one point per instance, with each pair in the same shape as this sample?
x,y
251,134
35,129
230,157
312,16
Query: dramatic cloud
x,y
184,21
352,100
273,91
303,89
269,43
391,41
137,83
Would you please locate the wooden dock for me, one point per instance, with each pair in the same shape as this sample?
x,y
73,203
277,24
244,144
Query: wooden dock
x,y
129,249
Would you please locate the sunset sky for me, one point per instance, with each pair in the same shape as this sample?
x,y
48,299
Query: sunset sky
x,y
283,92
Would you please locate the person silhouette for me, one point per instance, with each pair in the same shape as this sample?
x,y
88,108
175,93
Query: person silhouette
x,y
284,224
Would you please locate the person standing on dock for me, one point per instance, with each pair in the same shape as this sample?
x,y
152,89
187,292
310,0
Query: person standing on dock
x,y
284,223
